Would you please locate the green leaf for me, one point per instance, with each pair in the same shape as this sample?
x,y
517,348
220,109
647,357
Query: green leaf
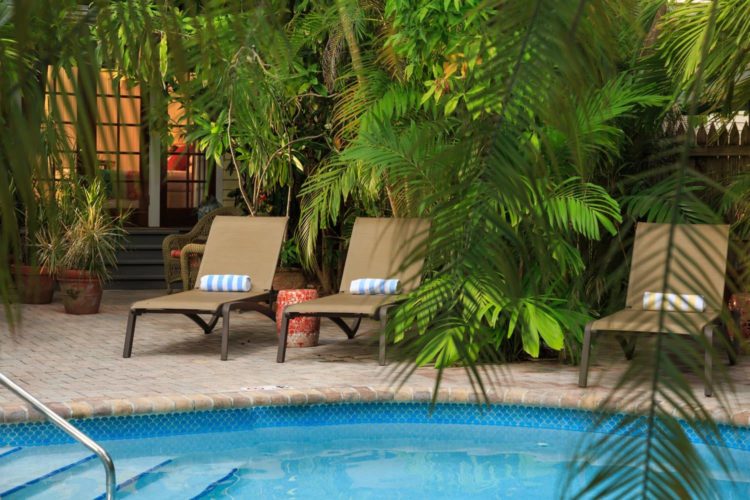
x,y
426,96
409,70
450,106
163,56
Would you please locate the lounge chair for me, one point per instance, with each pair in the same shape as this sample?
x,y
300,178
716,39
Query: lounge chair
x,y
236,245
172,246
697,267
379,248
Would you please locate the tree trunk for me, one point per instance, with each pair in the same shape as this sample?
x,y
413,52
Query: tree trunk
x,y
344,7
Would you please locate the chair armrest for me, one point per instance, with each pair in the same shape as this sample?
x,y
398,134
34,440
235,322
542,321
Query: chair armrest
x,y
175,242
189,250
192,249
194,232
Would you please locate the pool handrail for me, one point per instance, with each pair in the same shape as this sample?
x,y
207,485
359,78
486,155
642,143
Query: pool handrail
x,y
71,430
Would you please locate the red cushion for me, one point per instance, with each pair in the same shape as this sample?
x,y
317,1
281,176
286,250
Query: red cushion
x,y
175,254
178,158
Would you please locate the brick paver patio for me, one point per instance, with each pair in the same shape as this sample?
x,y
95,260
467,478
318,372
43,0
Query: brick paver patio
x,y
76,362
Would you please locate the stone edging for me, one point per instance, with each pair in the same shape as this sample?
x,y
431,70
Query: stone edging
x,y
279,396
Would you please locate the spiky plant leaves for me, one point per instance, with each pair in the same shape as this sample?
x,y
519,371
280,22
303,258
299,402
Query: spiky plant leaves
x,y
240,78
92,237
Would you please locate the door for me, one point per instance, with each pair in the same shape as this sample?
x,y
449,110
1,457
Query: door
x,y
187,180
187,183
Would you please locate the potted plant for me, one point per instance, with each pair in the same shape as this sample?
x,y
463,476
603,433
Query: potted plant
x,y
84,252
42,222
34,282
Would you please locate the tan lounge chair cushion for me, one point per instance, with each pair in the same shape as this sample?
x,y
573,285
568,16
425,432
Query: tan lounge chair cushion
x,y
344,303
236,245
196,300
697,265
380,247
244,245
636,320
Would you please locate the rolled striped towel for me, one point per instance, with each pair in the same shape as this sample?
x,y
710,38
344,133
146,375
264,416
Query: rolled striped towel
x,y
657,301
371,286
225,283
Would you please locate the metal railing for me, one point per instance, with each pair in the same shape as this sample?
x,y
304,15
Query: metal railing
x,y
69,429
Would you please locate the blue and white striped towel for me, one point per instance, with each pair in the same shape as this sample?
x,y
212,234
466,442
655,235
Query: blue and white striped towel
x,y
225,283
371,286
656,301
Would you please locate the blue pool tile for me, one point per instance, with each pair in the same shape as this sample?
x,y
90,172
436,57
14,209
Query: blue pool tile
x,y
229,420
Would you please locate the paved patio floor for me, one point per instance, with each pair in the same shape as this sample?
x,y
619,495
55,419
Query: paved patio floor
x,y
76,362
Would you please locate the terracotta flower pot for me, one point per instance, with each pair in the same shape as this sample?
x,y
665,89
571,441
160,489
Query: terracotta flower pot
x,y
81,292
34,285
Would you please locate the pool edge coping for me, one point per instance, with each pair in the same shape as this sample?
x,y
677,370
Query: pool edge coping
x,y
286,396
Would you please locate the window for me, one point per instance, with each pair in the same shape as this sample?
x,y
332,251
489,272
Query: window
x,y
118,128
119,140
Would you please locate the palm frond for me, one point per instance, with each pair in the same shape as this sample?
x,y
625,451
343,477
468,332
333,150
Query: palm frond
x,y
584,207
673,196
724,66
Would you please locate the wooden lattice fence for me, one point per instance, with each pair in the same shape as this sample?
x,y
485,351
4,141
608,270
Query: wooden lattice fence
x,y
720,153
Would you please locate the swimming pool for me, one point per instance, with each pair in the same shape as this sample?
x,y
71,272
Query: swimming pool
x,y
368,450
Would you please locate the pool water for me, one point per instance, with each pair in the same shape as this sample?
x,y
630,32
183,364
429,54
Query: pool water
x,y
403,459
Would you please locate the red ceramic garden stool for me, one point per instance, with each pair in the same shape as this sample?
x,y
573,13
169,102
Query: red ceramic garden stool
x,y
303,331
740,302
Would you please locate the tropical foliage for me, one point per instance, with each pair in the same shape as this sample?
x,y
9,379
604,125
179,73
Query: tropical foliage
x,y
449,133
533,134
84,236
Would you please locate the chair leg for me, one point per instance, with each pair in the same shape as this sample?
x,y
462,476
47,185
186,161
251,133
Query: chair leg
x,y
129,333
350,331
381,345
628,346
281,353
225,310
733,338
583,370
708,332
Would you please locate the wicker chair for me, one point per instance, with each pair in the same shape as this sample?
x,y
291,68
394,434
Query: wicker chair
x,y
173,244
190,259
